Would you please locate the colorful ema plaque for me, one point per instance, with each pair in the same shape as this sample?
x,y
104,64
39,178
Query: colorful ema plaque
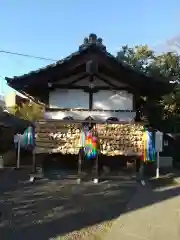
x,y
149,152
89,143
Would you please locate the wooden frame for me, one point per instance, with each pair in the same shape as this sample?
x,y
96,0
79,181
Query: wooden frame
x,y
79,170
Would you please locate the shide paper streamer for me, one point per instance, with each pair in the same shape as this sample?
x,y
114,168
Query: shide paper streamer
x,y
149,152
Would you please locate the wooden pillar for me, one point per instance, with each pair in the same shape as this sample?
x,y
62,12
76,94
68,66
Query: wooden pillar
x,y
79,165
96,178
91,69
80,158
33,161
96,174
91,79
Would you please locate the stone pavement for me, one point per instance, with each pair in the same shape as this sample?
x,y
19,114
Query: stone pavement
x,y
152,214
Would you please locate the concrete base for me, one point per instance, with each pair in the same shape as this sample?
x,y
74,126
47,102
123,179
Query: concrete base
x,y
95,180
78,181
32,179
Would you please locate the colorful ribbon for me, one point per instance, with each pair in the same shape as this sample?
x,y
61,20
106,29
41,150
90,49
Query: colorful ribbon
x,y
89,142
149,152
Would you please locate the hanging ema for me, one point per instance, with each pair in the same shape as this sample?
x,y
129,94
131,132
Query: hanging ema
x,y
90,143
149,153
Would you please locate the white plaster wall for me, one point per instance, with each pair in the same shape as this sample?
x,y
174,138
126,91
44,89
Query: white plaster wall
x,y
68,99
10,99
105,100
96,115
111,100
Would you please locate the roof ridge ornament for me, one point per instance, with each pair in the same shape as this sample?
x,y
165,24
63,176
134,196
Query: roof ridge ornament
x,y
92,40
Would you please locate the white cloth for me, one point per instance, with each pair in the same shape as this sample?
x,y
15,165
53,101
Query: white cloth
x,y
17,138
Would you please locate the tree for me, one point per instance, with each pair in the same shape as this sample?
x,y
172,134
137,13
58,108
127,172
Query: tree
x,y
165,66
28,111
139,57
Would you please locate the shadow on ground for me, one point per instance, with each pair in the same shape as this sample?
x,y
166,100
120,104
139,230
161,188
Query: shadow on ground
x,y
52,208
160,190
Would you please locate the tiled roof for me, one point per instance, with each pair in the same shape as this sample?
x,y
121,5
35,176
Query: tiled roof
x,y
92,42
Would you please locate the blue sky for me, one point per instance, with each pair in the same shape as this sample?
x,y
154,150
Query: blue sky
x,y
55,28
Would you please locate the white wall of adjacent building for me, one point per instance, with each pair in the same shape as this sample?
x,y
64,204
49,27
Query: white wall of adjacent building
x,y
2,101
10,99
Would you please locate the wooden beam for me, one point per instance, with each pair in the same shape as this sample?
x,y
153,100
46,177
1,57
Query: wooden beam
x,y
146,85
112,68
106,80
79,70
124,79
121,72
88,89
90,100
92,67
78,79
69,77
85,110
90,121
91,79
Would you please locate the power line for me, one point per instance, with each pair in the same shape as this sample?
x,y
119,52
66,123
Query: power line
x,y
26,55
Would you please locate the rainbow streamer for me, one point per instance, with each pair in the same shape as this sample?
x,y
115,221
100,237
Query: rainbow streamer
x,y
149,153
90,144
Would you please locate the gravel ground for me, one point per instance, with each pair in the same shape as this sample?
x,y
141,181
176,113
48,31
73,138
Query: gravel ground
x,y
50,209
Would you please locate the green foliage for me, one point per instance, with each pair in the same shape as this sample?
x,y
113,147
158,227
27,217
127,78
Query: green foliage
x,y
138,57
28,111
166,67
143,59
13,109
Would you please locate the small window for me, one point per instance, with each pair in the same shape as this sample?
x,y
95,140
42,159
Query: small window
x,y
68,118
113,119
